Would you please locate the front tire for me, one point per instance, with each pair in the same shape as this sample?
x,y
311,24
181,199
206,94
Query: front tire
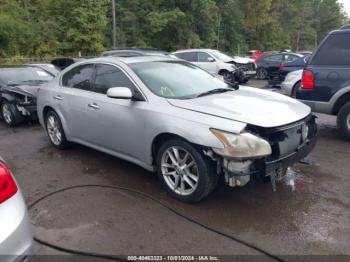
x,y
55,130
343,121
186,174
261,74
10,114
227,76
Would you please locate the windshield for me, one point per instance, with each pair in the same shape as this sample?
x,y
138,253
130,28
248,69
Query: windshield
x,y
23,75
176,79
221,56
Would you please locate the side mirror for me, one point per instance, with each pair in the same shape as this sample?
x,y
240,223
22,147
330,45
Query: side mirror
x,y
210,59
119,92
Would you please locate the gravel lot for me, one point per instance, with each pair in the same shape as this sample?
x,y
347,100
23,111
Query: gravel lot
x,y
310,218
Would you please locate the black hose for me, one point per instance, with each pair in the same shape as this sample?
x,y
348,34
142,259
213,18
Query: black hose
x,y
120,258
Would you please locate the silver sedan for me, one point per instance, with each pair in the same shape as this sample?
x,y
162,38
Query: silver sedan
x,y
15,229
291,84
170,116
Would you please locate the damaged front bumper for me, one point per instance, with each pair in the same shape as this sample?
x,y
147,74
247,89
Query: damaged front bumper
x,y
289,144
27,110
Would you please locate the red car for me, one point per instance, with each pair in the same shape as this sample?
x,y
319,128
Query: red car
x,y
255,54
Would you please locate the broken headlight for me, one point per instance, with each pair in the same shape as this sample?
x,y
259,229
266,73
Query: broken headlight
x,y
241,146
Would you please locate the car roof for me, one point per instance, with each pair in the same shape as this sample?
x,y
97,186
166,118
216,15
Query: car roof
x,y
17,67
131,60
346,30
195,50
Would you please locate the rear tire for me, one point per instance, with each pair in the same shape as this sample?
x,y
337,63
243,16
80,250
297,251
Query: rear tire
x,y
186,173
55,130
343,121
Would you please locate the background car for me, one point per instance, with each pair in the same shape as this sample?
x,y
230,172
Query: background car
x,y
325,84
218,63
18,90
49,68
64,62
287,67
145,110
269,64
291,83
134,51
254,54
16,237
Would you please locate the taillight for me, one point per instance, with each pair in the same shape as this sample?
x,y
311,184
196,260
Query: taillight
x,y
307,80
281,66
7,185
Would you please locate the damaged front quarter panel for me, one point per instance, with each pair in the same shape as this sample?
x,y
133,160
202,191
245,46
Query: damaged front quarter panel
x,y
289,144
24,98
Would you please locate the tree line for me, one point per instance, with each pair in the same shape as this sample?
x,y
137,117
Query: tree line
x,y
47,28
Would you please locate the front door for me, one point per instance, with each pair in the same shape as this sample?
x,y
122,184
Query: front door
x,y
207,62
115,124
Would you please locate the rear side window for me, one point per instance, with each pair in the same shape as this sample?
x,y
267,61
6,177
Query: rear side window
x,y
334,51
108,76
290,58
79,77
274,58
188,56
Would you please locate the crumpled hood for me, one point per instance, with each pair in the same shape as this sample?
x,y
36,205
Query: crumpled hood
x,y
242,60
27,90
248,105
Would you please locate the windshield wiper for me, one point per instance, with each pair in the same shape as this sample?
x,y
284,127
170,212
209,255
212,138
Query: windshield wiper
x,y
214,91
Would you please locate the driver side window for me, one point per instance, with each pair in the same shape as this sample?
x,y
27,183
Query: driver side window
x,y
204,58
108,76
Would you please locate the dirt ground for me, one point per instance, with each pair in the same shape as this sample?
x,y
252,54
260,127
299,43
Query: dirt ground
x,y
308,215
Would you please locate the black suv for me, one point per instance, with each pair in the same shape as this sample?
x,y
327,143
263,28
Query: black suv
x,y
325,84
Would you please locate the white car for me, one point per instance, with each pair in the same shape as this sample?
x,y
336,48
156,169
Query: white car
x,y
292,83
16,237
218,63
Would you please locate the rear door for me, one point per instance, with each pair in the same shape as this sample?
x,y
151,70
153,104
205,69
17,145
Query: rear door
x,y
72,99
330,66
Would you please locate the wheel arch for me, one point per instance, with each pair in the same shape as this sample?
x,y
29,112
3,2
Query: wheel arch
x,y
342,100
221,71
295,86
160,139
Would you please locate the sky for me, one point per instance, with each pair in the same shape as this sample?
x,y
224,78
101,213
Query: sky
x,y
346,4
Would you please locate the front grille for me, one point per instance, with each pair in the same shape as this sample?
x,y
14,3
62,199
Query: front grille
x,y
285,140
246,67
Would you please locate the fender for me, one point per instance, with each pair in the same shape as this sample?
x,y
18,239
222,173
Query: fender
x,y
8,97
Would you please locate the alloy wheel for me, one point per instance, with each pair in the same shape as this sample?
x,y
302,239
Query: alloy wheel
x,y
6,113
261,74
53,128
179,170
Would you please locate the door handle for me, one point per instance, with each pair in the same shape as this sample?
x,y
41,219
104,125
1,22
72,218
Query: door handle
x,y
94,106
58,97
